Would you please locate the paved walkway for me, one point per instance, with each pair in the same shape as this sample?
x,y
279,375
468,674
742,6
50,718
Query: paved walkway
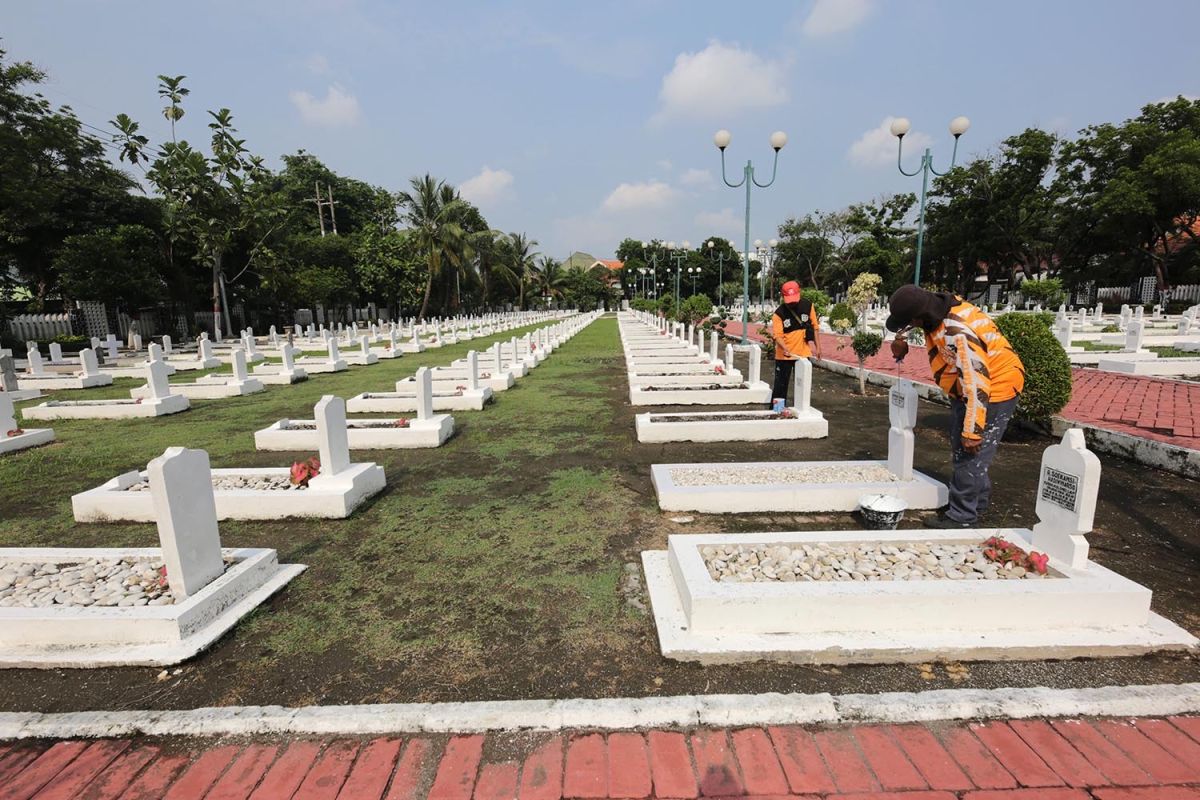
x,y
1108,759
1152,408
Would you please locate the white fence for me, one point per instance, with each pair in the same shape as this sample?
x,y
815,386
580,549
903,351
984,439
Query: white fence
x,y
1120,294
25,327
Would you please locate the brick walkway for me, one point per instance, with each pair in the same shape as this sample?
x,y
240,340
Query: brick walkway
x,y
1152,408
1017,760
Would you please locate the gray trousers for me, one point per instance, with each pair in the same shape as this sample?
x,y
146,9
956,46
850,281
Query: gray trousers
x,y
971,488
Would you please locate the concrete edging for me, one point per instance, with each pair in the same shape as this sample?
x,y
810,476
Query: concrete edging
x,y
685,711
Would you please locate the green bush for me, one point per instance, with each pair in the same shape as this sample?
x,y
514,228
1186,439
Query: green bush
x,y
1048,292
1045,317
842,311
643,304
695,308
820,300
864,344
1111,329
1047,368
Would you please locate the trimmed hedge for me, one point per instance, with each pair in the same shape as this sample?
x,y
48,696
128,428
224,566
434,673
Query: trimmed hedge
x,y
842,311
1047,368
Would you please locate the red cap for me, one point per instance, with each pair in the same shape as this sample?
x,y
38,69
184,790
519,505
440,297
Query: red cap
x,y
791,292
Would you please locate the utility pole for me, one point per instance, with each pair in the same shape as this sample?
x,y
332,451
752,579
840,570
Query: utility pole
x,y
321,208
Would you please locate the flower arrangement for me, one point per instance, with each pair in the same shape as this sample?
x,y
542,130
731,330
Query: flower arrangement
x,y
1002,551
162,576
15,432
305,471
400,423
138,401
719,370
787,413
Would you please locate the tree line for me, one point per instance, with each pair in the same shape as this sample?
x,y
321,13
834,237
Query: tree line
x,y
201,227
1116,202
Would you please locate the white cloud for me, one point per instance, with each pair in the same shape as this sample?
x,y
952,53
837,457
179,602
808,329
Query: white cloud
x,y
695,177
724,220
828,17
877,146
317,64
720,81
489,185
664,165
639,197
337,109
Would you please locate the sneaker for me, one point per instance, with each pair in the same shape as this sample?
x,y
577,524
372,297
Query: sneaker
x,y
943,522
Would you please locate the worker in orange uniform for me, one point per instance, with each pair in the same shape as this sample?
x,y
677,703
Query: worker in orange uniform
x,y
794,328
982,375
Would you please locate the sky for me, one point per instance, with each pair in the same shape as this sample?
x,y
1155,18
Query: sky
x,y
583,123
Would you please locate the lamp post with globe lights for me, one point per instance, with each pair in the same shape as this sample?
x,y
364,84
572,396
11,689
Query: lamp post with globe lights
x,y
693,272
652,259
767,265
712,248
900,126
721,139
678,254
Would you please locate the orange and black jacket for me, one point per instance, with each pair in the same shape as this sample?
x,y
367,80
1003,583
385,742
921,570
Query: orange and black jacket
x,y
973,362
794,326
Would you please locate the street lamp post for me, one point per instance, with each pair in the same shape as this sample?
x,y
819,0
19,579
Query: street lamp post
x,y
653,259
900,126
694,272
721,139
767,263
678,256
720,271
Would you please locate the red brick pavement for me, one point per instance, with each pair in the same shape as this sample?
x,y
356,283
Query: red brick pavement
x,y
1036,759
1151,408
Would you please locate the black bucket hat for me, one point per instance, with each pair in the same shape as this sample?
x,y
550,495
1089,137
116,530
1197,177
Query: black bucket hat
x,y
909,303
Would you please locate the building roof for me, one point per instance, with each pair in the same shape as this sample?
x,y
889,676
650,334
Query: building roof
x,y
610,263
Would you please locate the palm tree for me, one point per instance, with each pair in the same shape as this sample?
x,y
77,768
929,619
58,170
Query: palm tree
x,y
431,211
550,277
522,261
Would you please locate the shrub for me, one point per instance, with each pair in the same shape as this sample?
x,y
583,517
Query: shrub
x,y
1045,317
842,311
1047,368
1111,329
819,299
864,344
1048,292
695,308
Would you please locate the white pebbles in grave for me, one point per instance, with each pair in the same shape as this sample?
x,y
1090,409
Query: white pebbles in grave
x,y
280,483
93,582
855,562
777,474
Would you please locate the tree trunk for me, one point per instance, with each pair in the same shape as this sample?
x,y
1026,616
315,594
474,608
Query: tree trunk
x,y
425,302
216,292
862,378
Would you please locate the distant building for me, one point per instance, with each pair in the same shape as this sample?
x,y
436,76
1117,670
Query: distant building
x,y
579,260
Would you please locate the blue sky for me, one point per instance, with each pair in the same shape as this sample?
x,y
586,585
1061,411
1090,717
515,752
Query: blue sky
x,y
581,123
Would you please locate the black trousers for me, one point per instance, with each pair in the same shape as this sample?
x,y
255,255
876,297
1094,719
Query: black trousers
x,y
784,369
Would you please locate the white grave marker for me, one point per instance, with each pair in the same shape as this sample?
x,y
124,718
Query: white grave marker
x,y
156,380
424,393
802,385
902,414
8,420
35,361
87,360
334,445
1066,500
186,513
55,352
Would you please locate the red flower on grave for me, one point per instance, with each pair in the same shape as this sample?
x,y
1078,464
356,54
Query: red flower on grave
x,y
1038,562
137,401
162,575
719,370
400,423
304,471
787,413
15,432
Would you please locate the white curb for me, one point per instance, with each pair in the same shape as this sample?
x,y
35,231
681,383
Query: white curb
x,y
687,711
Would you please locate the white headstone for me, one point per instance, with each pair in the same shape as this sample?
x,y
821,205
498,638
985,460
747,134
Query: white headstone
x,y
87,360
472,371
728,359
55,352
334,447
35,361
289,358
206,350
714,345
902,414
8,421
1133,337
1063,331
156,352
364,345
802,385
8,374
755,363
424,393
334,355
110,344
186,512
239,365
166,345
95,343
497,360
137,341
156,380
1066,500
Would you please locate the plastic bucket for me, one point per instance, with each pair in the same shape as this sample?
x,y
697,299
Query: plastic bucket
x,y
778,404
881,512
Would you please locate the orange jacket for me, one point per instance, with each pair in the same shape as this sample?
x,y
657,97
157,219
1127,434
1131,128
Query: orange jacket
x,y
789,327
973,362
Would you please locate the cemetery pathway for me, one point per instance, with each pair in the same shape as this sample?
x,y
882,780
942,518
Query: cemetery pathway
x,y
1029,759
1150,408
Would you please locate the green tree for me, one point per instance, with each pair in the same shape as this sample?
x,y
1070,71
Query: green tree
x,y
522,261
211,200
123,267
431,212
1133,189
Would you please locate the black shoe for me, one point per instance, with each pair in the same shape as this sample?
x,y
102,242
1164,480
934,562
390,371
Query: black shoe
x,y
943,522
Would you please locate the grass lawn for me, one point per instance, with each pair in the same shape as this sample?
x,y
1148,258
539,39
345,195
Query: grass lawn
x,y
504,564
1171,352
1096,347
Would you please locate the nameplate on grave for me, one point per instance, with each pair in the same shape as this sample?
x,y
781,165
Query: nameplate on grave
x,y
1060,488
897,400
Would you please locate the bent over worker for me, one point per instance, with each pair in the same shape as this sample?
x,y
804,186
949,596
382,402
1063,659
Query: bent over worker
x,y
978,369
794,328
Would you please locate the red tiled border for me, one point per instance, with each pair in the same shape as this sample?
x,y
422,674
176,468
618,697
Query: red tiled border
x,y
999,760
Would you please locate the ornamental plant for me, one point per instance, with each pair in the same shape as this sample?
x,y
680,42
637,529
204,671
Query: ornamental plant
x,y
1047,367
400,423
864,344
1001,551
305,471
719,370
